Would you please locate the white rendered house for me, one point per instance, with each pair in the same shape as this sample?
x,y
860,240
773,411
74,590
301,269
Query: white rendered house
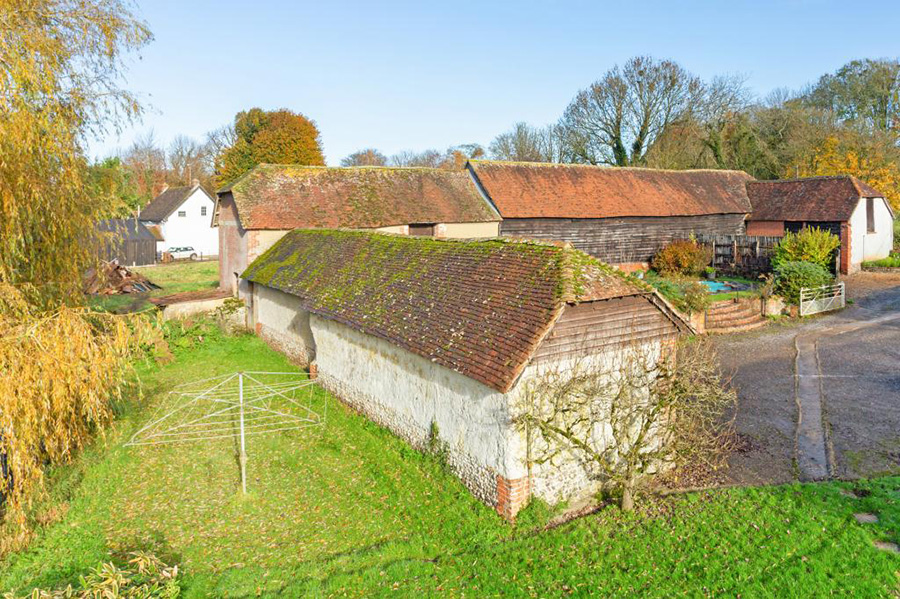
x,y
182,217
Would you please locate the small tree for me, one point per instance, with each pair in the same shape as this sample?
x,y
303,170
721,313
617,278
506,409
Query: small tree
x,y
647,411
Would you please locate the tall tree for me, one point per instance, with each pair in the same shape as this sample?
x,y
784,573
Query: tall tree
x,y
620,116
60,66
279,137
525,143
114,184
367,157
454,157
146,160
187,162
865,92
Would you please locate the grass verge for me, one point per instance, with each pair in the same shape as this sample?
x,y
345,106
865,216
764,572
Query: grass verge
x,y
350,510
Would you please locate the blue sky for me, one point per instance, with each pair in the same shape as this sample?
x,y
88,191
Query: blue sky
x,y
415,75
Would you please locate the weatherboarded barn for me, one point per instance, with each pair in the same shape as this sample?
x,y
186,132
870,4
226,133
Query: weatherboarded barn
x,y
439,337
619,215
127,241
844,205
259,208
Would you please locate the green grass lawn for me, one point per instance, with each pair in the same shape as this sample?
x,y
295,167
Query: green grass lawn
x,y
350,510
174,277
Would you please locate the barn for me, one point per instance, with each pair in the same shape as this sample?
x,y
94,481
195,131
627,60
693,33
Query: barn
x,y
127,241
844,205
256,210
440,337
620,215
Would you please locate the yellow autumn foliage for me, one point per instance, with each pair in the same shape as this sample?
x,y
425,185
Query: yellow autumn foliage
x,y
60,374
832,157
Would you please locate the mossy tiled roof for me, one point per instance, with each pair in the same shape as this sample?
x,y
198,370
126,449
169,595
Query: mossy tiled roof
x,y
273,196
477,307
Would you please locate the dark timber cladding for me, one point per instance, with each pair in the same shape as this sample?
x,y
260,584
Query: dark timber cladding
x,y
623,240
619,215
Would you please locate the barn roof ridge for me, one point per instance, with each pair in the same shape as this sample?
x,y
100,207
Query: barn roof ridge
x,y
610,167
272,196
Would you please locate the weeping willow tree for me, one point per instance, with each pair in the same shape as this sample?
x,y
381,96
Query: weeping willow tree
x,y
61,365
60,75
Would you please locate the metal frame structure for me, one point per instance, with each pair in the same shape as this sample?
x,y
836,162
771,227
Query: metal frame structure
x,y
822,299
234,406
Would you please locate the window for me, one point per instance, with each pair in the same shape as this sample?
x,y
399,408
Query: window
x,y
202,210
424,230
870,215
182,213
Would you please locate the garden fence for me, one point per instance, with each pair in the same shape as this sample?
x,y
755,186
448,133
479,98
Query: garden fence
x,y
746,255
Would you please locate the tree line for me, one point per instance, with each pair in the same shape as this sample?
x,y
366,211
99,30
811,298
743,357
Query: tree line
x,y
655,113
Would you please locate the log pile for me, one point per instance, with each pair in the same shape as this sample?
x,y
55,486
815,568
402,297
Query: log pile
x,y
111,278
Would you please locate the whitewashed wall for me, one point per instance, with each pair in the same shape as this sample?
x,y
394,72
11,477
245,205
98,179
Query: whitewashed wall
x,y
194,229
407,393
281,321
870,246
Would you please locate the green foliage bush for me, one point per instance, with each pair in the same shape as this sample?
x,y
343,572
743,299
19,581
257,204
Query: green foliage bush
x,y
143,577
811,244
790,277
683,257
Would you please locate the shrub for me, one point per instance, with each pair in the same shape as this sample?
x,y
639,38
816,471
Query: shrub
x,y
790,277
684,257
694,297
811,244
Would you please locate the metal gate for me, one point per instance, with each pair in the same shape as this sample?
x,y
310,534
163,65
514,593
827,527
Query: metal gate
x,y
821,299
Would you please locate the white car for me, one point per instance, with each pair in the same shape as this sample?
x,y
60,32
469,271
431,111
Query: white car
x,y
181,253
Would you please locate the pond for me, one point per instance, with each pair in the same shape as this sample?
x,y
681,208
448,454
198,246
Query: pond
x,y
723,286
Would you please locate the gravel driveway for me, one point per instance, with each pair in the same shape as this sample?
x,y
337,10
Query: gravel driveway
x,y
860,388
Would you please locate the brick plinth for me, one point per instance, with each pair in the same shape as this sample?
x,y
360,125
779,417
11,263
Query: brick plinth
x,y
512,496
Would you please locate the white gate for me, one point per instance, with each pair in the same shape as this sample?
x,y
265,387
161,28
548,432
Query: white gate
x,y
821,299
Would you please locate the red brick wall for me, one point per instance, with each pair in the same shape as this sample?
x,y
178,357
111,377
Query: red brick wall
x,y
765,228
512,496
846,240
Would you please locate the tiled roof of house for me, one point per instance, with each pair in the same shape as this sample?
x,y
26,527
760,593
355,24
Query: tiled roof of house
x,y
163,205
290,197
477,307
808,199
534,190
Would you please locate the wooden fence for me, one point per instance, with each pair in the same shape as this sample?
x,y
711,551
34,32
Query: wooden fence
x,y
745,255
